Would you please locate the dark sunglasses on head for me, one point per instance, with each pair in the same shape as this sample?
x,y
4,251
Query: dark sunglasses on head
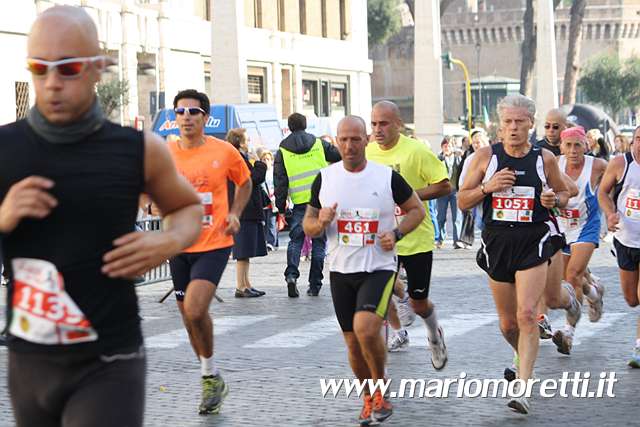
x,y
555,127
191,110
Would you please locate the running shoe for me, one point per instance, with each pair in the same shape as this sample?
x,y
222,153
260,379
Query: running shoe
x,y
596,306
511,373
405,312
563,341
545,327
292,289
399,341
382,408
439,355
575,309
365,418
634,362
520,405
214,390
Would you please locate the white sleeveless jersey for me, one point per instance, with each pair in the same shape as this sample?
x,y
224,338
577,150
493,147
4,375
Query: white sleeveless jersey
x,y
582,210
628,205
365,208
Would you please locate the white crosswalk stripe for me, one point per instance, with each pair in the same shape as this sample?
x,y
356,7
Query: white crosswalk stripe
x,y
456,325
221,326
586,329
302,336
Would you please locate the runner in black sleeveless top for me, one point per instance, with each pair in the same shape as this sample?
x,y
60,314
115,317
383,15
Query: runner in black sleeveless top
x,y
517,185
68,201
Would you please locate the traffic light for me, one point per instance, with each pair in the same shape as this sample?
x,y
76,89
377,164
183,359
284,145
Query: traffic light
x,y
447,60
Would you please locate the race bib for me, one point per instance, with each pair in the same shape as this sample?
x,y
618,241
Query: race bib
x,y
570,218
43,312
514,205
206,199
632,205
357,227
399,214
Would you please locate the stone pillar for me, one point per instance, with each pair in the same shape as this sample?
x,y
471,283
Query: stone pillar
x,y
546,66
164,51
130,59
297,88
228,63
275,97
428,100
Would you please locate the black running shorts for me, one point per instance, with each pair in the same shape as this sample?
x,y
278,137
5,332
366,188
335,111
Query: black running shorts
x,y
360,292
506,250
207,266
628,258
418,268
76,390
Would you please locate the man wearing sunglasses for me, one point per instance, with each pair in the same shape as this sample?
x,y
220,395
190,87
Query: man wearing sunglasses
x,y
208,164
554,124
69,194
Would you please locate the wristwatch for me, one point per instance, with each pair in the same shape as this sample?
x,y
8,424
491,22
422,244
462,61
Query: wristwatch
x,y
482,189
398,234
557,204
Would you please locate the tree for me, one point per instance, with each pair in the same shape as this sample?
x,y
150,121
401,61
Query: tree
x,y
573,54
611,83
383,20
112,94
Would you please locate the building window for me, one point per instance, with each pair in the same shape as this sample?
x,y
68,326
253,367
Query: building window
x,y
310,96
339,99
22,100
281,16
256,89
258,13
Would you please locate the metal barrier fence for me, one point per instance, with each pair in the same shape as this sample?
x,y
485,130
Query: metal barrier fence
x,y
161,272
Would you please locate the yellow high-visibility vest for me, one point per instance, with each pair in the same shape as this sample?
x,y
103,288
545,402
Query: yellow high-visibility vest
x,y
302,170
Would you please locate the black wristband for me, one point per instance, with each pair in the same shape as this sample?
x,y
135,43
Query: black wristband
x,y
398,234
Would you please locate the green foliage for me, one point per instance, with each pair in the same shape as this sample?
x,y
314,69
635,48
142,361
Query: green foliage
x,y
112,94
612,83
383,19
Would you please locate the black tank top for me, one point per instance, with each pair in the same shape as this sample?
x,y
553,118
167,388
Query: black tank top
x,y
520,206
97,184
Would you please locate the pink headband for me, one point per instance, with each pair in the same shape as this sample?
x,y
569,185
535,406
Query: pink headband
x,y
574,132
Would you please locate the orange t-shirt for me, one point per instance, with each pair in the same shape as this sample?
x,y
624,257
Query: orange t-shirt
x,y
207,168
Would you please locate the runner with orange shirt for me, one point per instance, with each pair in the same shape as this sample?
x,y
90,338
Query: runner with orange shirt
x,y
207,163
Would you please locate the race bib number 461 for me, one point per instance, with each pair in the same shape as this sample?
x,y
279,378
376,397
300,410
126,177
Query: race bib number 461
x,y
632,205
42,311
514,205
357,227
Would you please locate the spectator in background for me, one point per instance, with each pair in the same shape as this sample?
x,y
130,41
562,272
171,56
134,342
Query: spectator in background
x,y
270,210
452,163
597,145
249,242
621,144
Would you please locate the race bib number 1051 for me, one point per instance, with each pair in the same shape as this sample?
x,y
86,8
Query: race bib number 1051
x,y
42,311
514,205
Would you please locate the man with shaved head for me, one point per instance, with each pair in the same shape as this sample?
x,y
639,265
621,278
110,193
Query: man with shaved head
x,y
554,124
76,354
427,175
362,234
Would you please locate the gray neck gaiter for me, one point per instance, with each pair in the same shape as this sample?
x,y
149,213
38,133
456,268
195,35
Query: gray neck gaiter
x,y
90,123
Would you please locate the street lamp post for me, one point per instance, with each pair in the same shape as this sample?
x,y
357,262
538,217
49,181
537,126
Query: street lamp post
x,y
480,101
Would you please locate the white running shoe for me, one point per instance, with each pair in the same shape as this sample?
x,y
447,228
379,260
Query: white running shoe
x,y
405,312
519,404
596,306
575,310
399,341
439,355
544,326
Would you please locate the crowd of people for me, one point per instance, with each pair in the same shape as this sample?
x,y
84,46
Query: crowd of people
x,y
365,202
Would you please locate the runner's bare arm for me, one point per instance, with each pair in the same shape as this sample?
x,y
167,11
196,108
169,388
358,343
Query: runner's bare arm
x,y
597,172
572,188
433,191
135,253
612,175
471,194
415,213
317,220
558,196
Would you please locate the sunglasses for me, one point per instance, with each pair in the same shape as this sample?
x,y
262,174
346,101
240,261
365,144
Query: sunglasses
x,y
554,127
191,110
66,68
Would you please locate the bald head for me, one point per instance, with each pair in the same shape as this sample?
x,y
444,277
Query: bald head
x,y
386,123
352,141
68,26
355,122
555,122
388,107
